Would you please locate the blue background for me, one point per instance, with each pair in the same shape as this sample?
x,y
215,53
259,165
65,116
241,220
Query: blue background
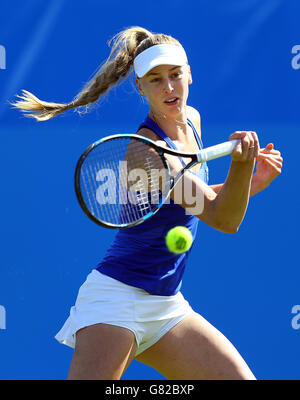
x,y
246,284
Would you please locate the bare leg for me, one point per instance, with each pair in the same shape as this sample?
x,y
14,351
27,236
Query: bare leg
x,y
194,349
102,351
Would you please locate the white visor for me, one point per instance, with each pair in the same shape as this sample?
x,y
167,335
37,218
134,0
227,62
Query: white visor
x,y
160,54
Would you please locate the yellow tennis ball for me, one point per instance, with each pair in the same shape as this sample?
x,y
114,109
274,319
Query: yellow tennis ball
x,y
179,239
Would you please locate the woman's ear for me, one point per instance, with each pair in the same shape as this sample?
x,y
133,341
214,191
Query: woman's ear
x,y
190,81
138,83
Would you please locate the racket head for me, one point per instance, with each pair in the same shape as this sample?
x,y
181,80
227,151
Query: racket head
x,y
101,182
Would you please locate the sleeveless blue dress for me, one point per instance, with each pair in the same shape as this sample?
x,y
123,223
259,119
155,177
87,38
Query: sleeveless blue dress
x,y
138,255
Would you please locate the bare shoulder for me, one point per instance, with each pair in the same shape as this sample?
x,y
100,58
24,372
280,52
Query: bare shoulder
x,y
195,117
148,133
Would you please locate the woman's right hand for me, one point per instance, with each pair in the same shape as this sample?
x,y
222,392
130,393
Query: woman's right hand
x,y
247,147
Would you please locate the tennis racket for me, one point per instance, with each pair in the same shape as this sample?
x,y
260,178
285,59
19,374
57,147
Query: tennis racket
x,y
122,180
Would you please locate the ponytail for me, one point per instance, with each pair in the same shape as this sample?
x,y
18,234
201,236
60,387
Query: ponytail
x,y
117,66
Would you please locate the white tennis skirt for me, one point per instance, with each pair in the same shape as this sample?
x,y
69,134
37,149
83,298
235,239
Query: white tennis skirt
x,y
102,299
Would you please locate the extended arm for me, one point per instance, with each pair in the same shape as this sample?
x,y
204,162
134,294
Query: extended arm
x,y
223,210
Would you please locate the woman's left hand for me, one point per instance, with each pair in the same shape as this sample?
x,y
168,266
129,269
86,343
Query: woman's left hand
x,y
268,167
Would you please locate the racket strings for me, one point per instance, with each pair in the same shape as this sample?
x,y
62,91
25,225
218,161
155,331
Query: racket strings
x,y
123,180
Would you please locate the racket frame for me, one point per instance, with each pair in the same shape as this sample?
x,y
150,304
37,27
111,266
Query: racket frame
x,y
196,158
77,183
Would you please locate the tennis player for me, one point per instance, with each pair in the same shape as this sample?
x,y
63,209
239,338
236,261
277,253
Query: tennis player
x,y
130,306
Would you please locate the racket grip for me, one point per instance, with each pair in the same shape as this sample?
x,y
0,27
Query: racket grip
x,y
219,150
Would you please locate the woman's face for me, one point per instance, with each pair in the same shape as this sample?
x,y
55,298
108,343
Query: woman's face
x,y
166,88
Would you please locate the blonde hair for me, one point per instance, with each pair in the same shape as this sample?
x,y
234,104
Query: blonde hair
x,y
126,45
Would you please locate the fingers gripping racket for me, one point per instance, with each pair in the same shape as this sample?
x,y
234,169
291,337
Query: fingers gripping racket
x,y
122,180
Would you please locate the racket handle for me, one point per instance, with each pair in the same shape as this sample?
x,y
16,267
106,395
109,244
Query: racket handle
x,y
219,150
